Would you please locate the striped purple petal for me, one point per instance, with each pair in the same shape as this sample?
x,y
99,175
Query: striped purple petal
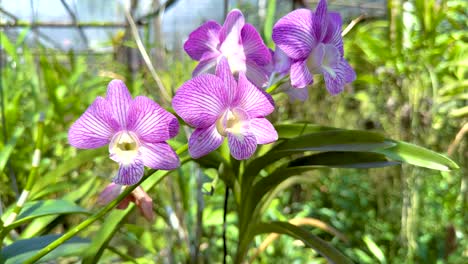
x,y
206,65
95,127
203,40
342,74
282,63
200,100
242,146
300,75
263,130
223,71
258,75
159,156
230,32
293,34
150,121
203,141
129,174
320,21
256,102
254,47
119,98
333,35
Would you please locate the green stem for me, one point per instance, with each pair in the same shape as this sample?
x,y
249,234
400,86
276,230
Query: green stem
x,y
72,232
276,85
32,175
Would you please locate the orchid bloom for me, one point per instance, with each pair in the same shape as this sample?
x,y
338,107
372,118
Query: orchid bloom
x,y
218,107
236,40
313,42
138,196
136,131
280,67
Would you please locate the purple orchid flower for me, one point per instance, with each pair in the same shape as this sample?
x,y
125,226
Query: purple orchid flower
x,y
236,40
218,107
313,41
279,68
136,131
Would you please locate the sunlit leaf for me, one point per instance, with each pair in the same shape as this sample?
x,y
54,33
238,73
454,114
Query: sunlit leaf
x,y
374,249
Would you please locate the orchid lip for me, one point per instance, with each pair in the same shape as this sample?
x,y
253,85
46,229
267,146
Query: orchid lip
x,y
231,121
323,58
124,147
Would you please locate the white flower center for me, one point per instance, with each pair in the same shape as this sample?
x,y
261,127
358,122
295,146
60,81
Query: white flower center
x,y
124,147
324,58
232,121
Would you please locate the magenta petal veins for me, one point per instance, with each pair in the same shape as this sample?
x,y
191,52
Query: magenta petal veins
x,y
219,107
135,129
312,39
237,41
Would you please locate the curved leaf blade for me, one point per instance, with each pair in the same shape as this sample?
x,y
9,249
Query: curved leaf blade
x,y
341,159
321,246
21,250
336,140
286,131
32,210
418,156
329,140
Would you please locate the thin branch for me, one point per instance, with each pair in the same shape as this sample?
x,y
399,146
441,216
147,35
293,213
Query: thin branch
x,y
75,21
143,20
65,24
352,24
458,139
165,96
8,14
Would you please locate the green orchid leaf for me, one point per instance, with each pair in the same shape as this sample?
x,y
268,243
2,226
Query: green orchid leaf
x,y
21,250
329,140
335,140
67,166
322,247
35,209
418,156
286,131
39,224
340,159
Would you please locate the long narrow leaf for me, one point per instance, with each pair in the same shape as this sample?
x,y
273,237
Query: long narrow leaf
x,y
32,210
419,156
339,159
329,140
321,246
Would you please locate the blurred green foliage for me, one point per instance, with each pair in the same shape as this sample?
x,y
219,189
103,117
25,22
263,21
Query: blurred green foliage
x,y
412,85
